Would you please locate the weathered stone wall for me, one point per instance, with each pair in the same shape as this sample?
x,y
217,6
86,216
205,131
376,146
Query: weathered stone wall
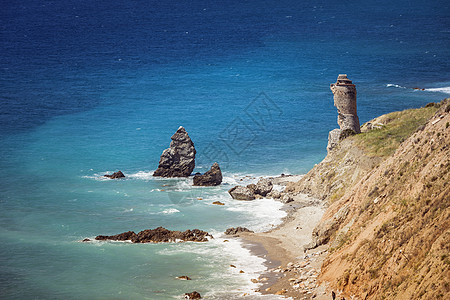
x,y
344,92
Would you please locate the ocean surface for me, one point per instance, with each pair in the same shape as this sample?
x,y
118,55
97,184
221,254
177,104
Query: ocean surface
x,y
92,87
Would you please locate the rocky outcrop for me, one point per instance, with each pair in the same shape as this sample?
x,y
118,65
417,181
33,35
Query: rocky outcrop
x,y
193,295
344,92
263,187
212,177
159,235
237,230
179,159
115,175
242,193
252,191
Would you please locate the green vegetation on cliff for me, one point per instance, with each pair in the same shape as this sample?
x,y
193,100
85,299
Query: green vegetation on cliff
x,y
393,129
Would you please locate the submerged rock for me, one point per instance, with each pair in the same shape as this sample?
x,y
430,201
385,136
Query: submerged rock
x,y
179,159
115,175
193,295
212,177
159,235
183,277
242,193
236,230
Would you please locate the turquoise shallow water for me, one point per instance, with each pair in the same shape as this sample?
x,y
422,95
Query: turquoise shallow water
x,y
90,88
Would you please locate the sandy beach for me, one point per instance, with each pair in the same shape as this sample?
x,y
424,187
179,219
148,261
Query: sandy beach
x,y
292,270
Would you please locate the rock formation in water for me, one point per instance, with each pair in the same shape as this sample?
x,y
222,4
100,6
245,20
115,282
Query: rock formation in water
x,y
193,295
159,235
237,230
263,187
252,191
179,159
344,92
115,175
212,177
242,193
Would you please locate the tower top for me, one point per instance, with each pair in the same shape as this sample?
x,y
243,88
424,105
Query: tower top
x,y
343,80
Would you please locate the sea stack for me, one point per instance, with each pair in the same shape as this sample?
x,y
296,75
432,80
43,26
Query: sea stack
x,y
179,159
212,177
344,92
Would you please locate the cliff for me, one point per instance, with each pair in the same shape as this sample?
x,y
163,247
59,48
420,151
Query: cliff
x,y
387,221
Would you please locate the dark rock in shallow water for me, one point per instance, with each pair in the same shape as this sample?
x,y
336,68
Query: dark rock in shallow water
x,y
212,177
233,230
159,235
129,235
184,277
242,193
115,175
179,159
193,295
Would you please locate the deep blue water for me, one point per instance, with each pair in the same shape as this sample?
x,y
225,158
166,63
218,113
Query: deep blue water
x,y
89,87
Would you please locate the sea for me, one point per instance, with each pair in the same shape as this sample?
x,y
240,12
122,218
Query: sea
x,y
88,88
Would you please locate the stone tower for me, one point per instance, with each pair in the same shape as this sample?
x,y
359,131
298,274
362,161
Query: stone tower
x,y
344,92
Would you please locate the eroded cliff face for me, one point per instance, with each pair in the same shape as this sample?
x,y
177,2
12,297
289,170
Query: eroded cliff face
x,y
388,220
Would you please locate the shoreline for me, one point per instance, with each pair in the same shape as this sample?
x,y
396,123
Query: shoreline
x,y
291,270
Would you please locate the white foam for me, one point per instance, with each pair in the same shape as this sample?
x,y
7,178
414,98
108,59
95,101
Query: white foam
x,y
142,175
263,214
445,90
395,85
170,211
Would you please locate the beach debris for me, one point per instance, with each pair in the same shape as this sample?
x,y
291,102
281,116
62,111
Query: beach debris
x,y
159,235
193,295
115,175
183,277
218,203
212,177
237,230
179,159
242,193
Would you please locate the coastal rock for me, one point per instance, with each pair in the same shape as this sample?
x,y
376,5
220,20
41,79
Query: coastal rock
x,y
159,235
218,203
274,194
263,187
344,92
126,236
237,230
183,277
212,177
242,193
193,295
179,159
115,175
287,198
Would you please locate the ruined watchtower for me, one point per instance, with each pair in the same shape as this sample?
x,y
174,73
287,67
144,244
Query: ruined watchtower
x,y
344,92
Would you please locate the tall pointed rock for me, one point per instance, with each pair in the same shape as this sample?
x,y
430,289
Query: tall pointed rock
x,y
179,159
